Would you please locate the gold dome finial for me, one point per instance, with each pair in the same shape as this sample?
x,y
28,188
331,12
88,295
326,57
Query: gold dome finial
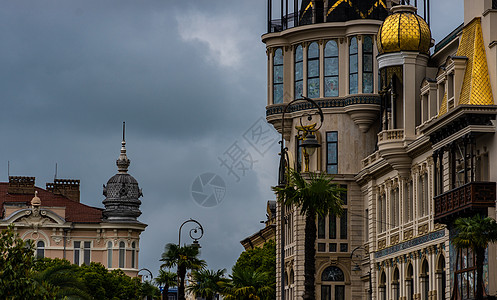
x,y
404,30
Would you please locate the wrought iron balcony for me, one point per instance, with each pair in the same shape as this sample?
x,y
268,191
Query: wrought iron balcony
x,y
471,198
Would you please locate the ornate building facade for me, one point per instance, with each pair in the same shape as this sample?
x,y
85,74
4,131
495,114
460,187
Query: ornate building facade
x,y
60,226
409,129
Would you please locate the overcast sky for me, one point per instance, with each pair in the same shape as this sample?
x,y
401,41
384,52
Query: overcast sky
x,y
189,79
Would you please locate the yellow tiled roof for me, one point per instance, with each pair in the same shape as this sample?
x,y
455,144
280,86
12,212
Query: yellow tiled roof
x,y
476,89
443,107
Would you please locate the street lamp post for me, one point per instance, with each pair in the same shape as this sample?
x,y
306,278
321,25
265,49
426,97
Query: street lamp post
x,y
356,260
195,234
309,144
151,277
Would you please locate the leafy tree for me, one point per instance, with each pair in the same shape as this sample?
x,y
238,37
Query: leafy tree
x,y
62,275
17,269
262,260
184,258
206,283
247,284
317,196
166,279
476,233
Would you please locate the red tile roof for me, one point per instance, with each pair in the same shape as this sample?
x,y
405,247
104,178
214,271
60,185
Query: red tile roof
x,y
75,211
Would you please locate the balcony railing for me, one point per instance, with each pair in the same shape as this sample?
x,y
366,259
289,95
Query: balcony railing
x,y
471,198
393,134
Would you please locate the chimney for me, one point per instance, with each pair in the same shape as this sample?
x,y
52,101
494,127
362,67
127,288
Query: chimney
x,y
65,187
21,185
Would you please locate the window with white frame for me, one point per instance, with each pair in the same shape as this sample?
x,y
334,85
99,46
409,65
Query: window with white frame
x,y
109,254
278,76
313,70
367,64
331,69
40,249
353,66
122,251
299,71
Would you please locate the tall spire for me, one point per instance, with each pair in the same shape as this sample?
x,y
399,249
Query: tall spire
x,y
123,161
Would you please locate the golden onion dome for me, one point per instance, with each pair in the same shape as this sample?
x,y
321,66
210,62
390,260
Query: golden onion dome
x,y
404,30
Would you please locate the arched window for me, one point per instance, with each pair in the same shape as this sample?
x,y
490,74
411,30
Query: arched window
x,y
109,254
441,278
278,76
425,280
395,284
40,249
382,286
353,66
121,254
331,69
367,64
313,70
332,278
409,283
299,72
133,254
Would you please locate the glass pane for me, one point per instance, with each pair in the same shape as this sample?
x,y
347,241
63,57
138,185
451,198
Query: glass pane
x,y
278,56
340,292
344,247
321,247
299,88
121,258
367,82
321,227
278,93
343,196
313,88
333,247
331,86
331,49
87,245
333,227
332,153
332,169
40,244
353,46
343,225
353,84
312,68
278,74
332,136
326,292
332,273
76,256
313,50
40,252
86,257
367,45
331,66
109,258
367,63
299,54
353,64
299,73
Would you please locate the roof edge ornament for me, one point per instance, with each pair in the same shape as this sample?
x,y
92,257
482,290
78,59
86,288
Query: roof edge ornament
x,y
123,161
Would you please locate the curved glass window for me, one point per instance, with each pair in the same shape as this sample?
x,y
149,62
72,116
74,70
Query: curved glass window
x,y
299,71
331,69
109,255
133,254
332,273
278,76
353,66
313,70
121,254
40,249
367,64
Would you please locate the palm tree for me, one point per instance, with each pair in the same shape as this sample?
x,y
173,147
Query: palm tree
x,y
166,279
247,284
63,277
184,258
317,196
206,283
476,233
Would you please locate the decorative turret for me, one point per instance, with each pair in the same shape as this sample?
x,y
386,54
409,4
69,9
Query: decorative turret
x,y
122,192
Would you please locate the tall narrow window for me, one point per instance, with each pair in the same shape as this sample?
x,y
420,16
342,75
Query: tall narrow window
x,y
367,64
40,249
121,254
133,254
321,227
278,76
77,250
332,152
332,226
343,195
109,254
411,199
86,253
425,194
331,69
298,154
299,72
343,225
313,70
353,66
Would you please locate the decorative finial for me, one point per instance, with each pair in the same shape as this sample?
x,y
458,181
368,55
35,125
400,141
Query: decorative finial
x,y
36,201
123,161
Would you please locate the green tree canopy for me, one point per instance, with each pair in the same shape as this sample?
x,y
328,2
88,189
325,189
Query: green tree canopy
x,y
207,283
260,259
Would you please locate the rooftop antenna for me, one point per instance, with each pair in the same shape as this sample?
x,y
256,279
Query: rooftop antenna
x,y
55,176
124,130
8,168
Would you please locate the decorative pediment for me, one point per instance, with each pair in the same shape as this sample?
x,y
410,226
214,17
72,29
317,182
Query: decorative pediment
x,y
35,217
